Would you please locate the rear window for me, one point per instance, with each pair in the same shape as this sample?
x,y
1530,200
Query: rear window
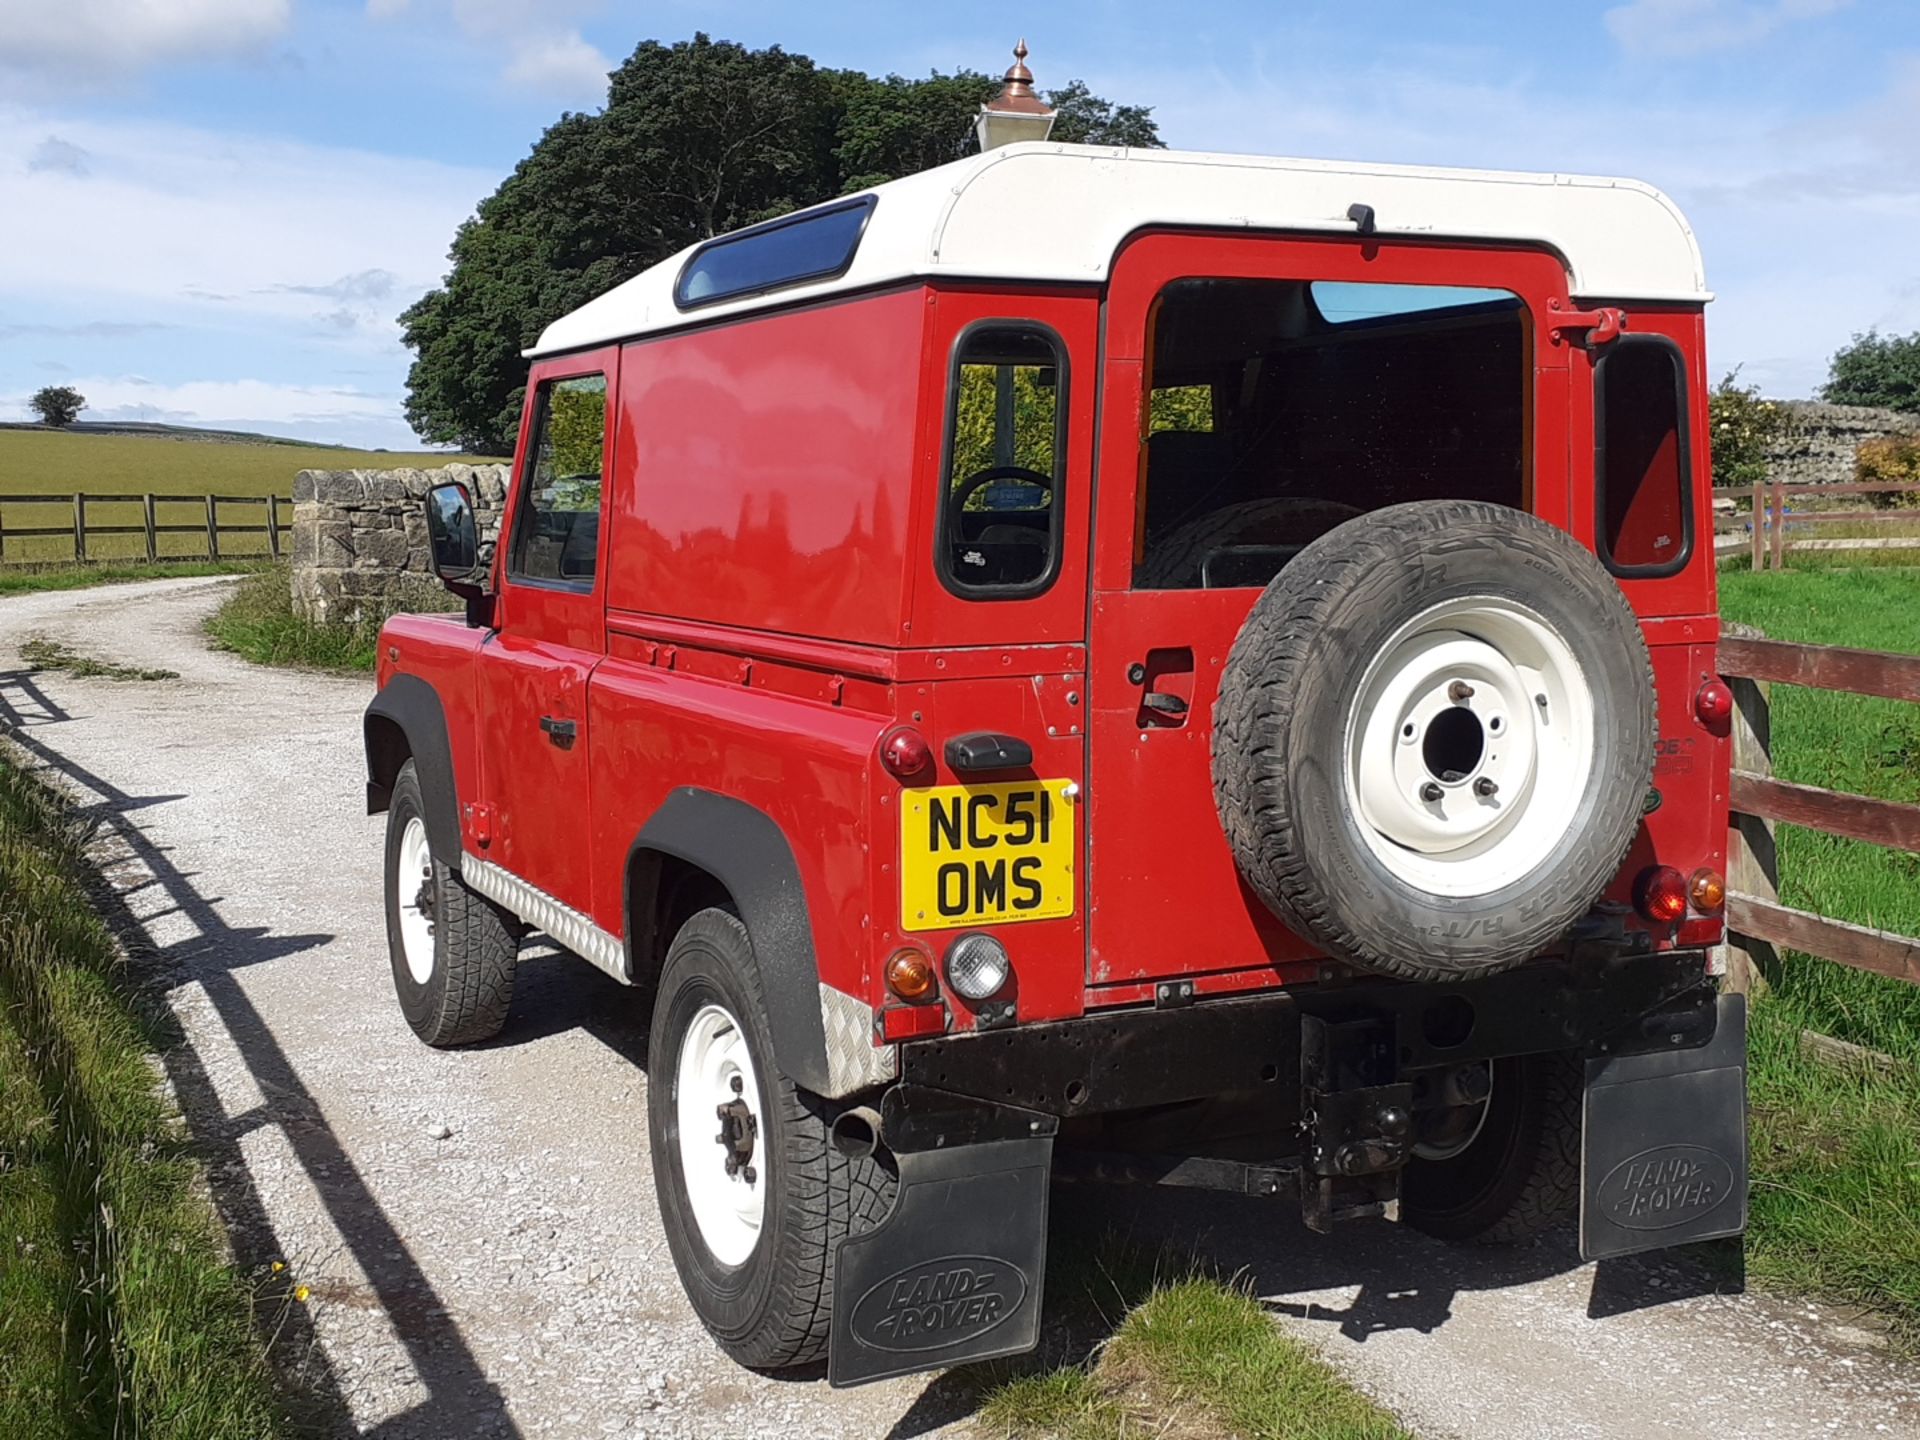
x,y
815,245
1279,408
1641,460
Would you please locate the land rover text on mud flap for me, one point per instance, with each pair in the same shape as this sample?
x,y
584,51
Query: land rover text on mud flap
x,y
1108,664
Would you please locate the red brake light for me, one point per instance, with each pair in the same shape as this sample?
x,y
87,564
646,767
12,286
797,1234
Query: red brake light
x,y
905,751
1660,895
1714,704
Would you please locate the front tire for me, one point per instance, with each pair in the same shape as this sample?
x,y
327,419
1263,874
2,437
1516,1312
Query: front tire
x,y
452,950
754,1199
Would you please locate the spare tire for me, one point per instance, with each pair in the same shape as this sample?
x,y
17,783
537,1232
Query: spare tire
x,y
1433,738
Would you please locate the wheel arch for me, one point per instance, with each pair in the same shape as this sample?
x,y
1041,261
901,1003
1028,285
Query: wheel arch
x,y
407,721
704,847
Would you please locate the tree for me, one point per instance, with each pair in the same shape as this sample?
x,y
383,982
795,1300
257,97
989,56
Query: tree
x,y
1876,369
697,138
1744,428
57,404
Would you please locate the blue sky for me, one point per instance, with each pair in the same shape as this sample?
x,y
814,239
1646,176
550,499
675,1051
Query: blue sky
x,y
211,210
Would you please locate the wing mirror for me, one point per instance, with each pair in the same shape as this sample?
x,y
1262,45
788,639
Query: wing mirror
x,y
453,535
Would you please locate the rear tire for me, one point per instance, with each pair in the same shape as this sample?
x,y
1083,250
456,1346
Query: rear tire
x,y
452,950
758,1269
1521,1175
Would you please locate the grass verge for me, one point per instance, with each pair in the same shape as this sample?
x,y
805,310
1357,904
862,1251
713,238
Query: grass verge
x,y
1836,1149
1194,1358
32,579
119,1312
257,622
40,653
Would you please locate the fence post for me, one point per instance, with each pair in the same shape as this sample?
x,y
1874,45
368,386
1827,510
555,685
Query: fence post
x,y
79,527
3,532
213,529
273,525
1760,523
146,512
1753,863
1779,523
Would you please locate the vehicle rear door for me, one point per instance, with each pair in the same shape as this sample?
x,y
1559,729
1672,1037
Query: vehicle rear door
x,y
552,629
1168,900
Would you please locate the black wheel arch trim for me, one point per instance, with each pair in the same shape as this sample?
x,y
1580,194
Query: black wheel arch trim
x,y
413,706
745,849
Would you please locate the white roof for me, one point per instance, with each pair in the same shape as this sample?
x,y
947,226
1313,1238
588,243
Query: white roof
x,y
1060,212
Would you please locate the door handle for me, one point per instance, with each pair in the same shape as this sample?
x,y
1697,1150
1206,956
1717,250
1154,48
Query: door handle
x,y
560,732
1163,702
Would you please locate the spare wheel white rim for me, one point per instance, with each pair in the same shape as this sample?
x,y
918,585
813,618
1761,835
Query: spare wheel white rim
x,y
728,1204
1469,746
413,885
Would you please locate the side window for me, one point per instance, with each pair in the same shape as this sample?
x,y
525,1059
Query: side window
x,y
556,532
1642,465
999,529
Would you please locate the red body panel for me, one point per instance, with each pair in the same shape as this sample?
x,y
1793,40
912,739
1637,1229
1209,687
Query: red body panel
x,y
768,607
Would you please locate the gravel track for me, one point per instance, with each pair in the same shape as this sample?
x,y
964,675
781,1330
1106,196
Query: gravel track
x,y
477,1228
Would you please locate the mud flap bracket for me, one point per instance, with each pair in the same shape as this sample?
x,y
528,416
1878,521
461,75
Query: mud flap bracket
x,y
1664,1146
953,1274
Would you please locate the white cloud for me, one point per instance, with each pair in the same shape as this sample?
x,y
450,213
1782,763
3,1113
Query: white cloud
x,y
1678,28
565,66
53,153
228,402
90,41
543,51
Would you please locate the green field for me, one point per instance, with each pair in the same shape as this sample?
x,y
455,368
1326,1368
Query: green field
x,y
54,462
1836,1152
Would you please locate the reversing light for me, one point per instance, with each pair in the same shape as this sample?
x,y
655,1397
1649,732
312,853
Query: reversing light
x,y
1714,704
977,966
1708,891
910,975
1660,895
905,751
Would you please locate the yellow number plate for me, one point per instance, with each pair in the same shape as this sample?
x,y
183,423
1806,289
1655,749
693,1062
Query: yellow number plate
x,y
986,854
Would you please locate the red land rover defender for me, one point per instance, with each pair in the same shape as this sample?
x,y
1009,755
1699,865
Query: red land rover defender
x,y
1186,667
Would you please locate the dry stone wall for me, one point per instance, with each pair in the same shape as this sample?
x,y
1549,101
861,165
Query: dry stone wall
x,y
360,536
1819,445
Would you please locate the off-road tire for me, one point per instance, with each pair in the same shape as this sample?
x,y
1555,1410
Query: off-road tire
x,y
476,943
1279,722
1175,561
772,1311
1521,1175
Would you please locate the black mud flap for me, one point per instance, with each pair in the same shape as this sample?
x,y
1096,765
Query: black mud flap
x,y
953,1273
1664,1157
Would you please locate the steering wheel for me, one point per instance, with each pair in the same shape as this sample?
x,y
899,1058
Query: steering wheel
x,y
980,479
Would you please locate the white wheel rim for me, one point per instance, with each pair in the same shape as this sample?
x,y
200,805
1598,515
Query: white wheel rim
x,y
1469,746
412,876
727,1208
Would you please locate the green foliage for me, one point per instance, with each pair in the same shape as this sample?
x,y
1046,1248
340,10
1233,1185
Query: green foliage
x,y
120,1313
258,622
1890,460
1180,407
1744,428
32,579
697,138
1033,421
1876,369
57,404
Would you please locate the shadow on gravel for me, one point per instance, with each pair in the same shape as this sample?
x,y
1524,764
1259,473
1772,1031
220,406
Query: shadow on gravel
x,y
459,1400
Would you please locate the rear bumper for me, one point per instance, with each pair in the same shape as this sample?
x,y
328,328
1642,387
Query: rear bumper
x,y
954,1273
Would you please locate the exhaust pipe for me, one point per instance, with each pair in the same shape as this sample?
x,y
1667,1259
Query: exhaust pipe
x,y
855,1132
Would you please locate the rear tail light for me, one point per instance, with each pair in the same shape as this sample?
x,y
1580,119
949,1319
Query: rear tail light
x,y
1708,891
1660,895
905,751
1714,704
910,975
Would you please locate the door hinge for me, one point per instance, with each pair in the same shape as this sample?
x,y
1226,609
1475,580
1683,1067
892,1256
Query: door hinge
x,y
1602,326
479,816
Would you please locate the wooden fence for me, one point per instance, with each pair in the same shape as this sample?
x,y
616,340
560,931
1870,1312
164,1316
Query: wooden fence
x,y
1770,524
1752,665
79,527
